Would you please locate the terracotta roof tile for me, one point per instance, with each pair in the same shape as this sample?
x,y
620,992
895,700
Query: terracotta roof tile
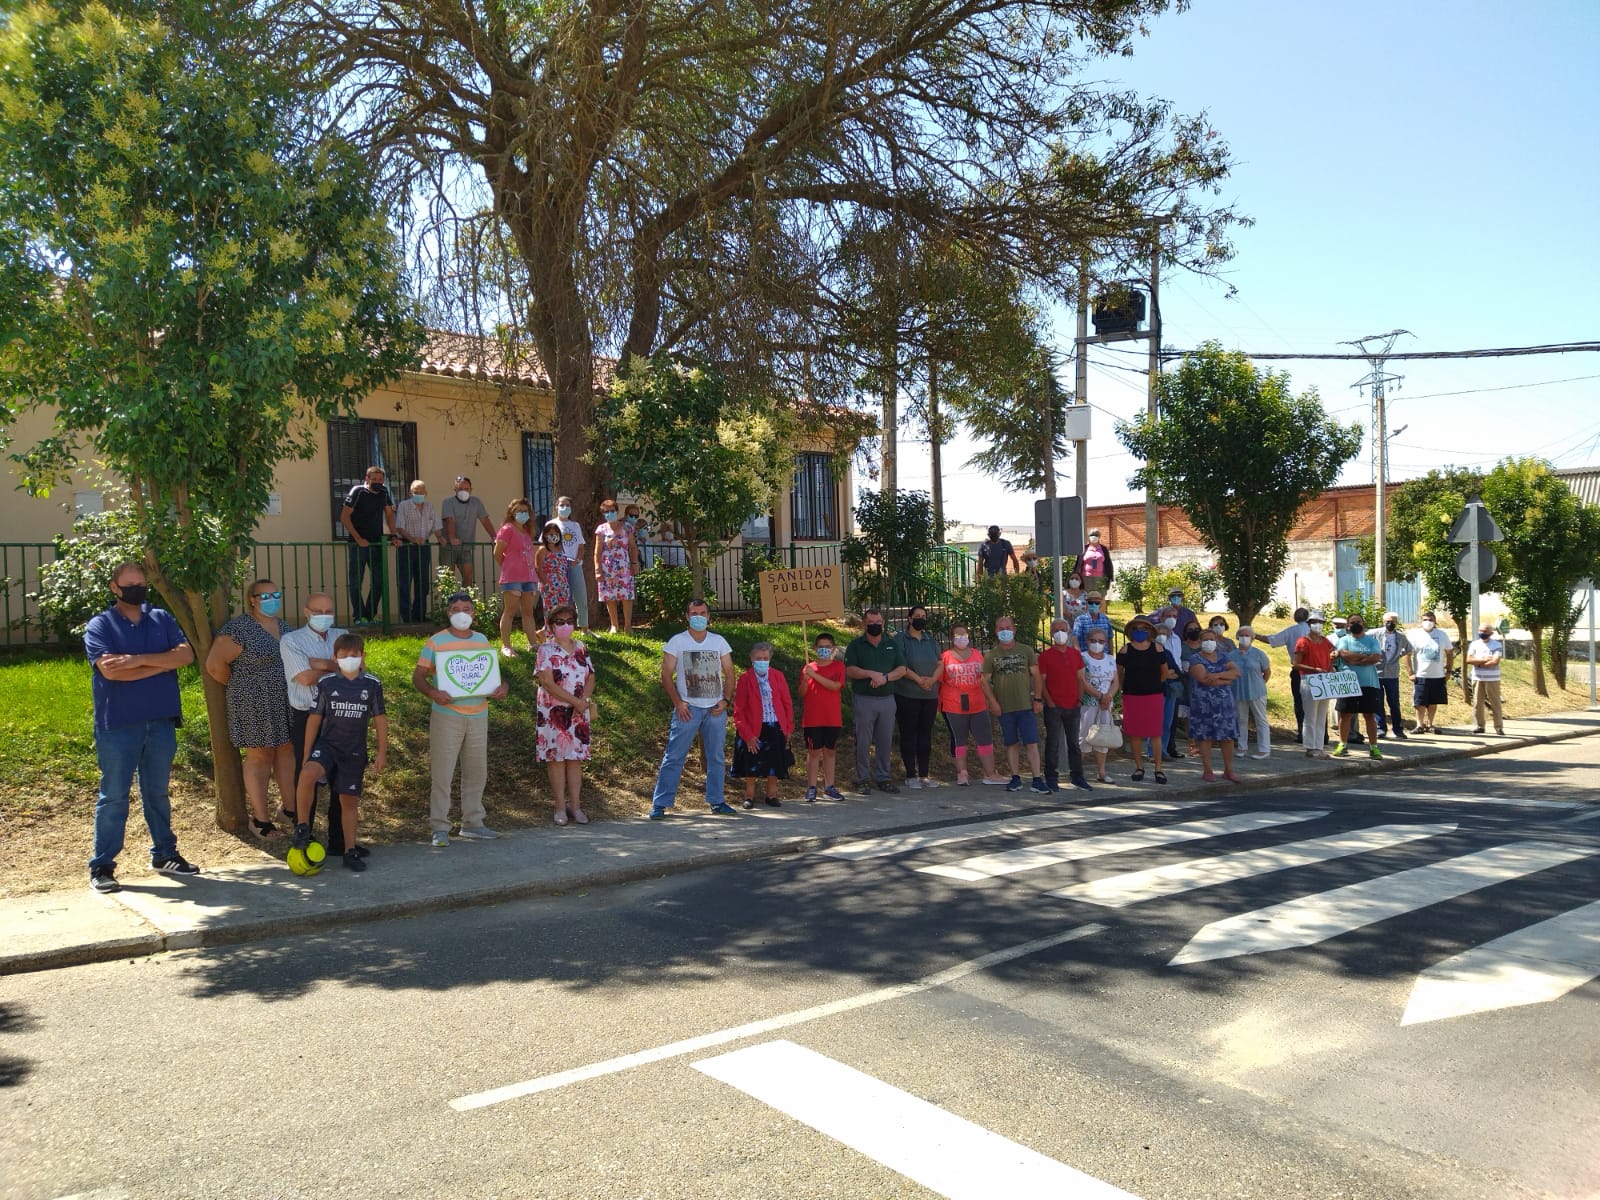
x,y
481,358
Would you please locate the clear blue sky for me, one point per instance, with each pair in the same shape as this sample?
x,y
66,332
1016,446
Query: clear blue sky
x,y
1427,166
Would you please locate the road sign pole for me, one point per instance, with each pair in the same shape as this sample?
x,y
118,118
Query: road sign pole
x,y
1593,703
1472,568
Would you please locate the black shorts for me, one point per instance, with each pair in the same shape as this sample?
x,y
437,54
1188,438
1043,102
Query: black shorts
x,y
343,771
822,737
1370,701
1429,693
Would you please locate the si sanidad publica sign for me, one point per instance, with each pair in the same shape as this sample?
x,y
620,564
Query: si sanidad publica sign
x,y
803,594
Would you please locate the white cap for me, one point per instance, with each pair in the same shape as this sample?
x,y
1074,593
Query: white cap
x,y
1315,615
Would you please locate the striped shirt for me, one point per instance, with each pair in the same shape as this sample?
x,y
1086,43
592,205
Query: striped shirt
x,y
417,522
439,643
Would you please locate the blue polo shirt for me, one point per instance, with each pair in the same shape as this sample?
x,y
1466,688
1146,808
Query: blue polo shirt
x,y
1366,673
133,701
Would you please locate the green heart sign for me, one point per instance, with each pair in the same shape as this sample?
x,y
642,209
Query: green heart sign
x,y
470,673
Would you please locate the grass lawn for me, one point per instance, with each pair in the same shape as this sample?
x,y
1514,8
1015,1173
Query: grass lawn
x,y
48,776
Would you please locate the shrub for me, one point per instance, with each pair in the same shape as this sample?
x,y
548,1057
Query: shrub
x,y
994,596
883,563
486,614
1280,610
1131,583
1353,602
661,593
75,587
756,559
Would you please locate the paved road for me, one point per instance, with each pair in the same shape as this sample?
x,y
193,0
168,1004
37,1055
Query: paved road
x,y
1303,993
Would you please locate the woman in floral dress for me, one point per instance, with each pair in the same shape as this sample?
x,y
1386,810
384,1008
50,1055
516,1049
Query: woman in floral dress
x,y
550,569
1213,716
616,562
566,708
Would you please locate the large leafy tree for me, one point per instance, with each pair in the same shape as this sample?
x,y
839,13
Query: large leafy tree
x,y
1241,455
1022,415
696,453
194,286
651,176
1552,541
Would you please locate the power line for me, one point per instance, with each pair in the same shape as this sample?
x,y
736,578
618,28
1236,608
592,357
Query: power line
x,y
1510,387
1496,352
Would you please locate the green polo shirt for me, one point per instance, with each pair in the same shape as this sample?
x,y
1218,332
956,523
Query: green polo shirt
x,y
884,657
920,655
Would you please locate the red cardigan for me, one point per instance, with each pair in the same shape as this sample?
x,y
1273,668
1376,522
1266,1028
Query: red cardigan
x,y
747,704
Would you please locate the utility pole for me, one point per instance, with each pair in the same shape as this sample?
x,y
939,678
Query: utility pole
x,y
1152,514
1376,348
1080,389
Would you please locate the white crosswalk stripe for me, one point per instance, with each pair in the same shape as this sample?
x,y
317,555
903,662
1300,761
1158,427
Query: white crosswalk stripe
x,y
1533,965
1119,891
1316,918
1029,858
1459,798
926,839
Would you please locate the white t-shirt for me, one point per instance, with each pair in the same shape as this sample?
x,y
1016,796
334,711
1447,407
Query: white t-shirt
x,y
699,667
1488,650
572,540
1430,646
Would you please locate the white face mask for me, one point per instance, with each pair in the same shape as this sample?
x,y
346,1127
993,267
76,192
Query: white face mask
x,y
1427,625
1059,637
1074,583
463,495
1208,645
1097,647
961,641
321,622
461,621
1218,629
1245,639
349,664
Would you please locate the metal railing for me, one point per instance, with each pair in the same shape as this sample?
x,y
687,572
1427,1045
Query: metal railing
x,y
305,568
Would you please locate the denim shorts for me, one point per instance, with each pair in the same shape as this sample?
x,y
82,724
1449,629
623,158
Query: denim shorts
x,y
513,586
1019,727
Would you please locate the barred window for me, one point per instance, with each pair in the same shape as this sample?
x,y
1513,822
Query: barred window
x,y
355,445
814,503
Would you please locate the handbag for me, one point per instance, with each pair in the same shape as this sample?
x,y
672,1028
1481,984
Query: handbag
x,y
1103,737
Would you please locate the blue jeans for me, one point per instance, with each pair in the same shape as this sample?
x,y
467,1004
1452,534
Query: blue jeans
x,y
1391,693
580,593
1169,712
362,559
144,748
713,734
413,566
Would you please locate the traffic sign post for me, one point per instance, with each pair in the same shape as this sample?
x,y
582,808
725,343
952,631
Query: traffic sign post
x,y
1057,532
1473,525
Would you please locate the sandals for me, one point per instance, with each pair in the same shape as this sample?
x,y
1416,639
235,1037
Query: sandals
x,y
1101,779
264,829
1231,777
1160,777
1208,776
1137,775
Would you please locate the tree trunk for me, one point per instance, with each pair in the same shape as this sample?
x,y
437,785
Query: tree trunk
x,y
935,451
227,770
1462,642
890,382
1539,685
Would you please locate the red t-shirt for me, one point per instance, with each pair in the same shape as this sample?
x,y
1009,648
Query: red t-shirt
x,y
1315,654
1060,666
961,688
821,708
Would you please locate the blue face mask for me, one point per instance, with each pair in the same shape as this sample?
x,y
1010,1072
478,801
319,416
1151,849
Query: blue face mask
x,y
1005,636
271,608
761,666
419,499
698,622
1140,635
824,653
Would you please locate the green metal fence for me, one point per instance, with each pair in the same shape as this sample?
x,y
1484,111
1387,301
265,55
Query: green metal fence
x,y
303,568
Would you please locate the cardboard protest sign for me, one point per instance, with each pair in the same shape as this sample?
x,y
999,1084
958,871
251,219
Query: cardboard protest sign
x,y
1333,685
803,594
467,673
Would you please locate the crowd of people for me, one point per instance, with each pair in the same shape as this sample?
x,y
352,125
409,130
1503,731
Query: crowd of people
x,y
302,708
539,558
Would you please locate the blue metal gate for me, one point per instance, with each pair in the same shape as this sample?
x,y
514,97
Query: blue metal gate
x,y
1350,574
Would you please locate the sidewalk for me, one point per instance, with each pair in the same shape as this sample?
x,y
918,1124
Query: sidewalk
x,y
154,913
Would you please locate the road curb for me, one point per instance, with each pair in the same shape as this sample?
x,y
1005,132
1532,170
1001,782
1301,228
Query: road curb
x,y
146,945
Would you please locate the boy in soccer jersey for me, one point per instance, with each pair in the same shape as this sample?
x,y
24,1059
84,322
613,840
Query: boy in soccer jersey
x,y
336,743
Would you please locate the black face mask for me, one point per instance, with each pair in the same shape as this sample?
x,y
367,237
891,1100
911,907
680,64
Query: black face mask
x,y
134,593
1389,625
874,629
1190,635
1357,630
919,623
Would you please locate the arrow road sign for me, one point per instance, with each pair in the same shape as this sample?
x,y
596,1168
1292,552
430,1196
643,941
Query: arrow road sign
x,y
1488,564
1474,524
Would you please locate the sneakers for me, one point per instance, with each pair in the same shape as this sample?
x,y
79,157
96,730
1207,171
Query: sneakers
x,y
360,851
833,793
774,802
748,805
888,787
725,810
998,781
104,880
1078,781
302,836
1374,752
1261,754
175,865
863,787
1014,785
1038,785
963,779
913,783
658,814
1397,732
811,795
930,784
1341,751
441,837
354,861
477,833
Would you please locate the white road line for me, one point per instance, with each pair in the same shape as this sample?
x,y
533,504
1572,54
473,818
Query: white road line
x,y
1531,966
721,1037
1029,858
1454,798
1588,816
1119,891
1313,919
943,1152
904,843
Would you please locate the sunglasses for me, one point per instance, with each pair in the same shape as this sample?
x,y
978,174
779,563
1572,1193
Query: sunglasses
x,y
278,595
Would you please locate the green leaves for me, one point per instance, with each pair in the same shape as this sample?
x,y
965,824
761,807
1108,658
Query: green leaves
x,y
1241,455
